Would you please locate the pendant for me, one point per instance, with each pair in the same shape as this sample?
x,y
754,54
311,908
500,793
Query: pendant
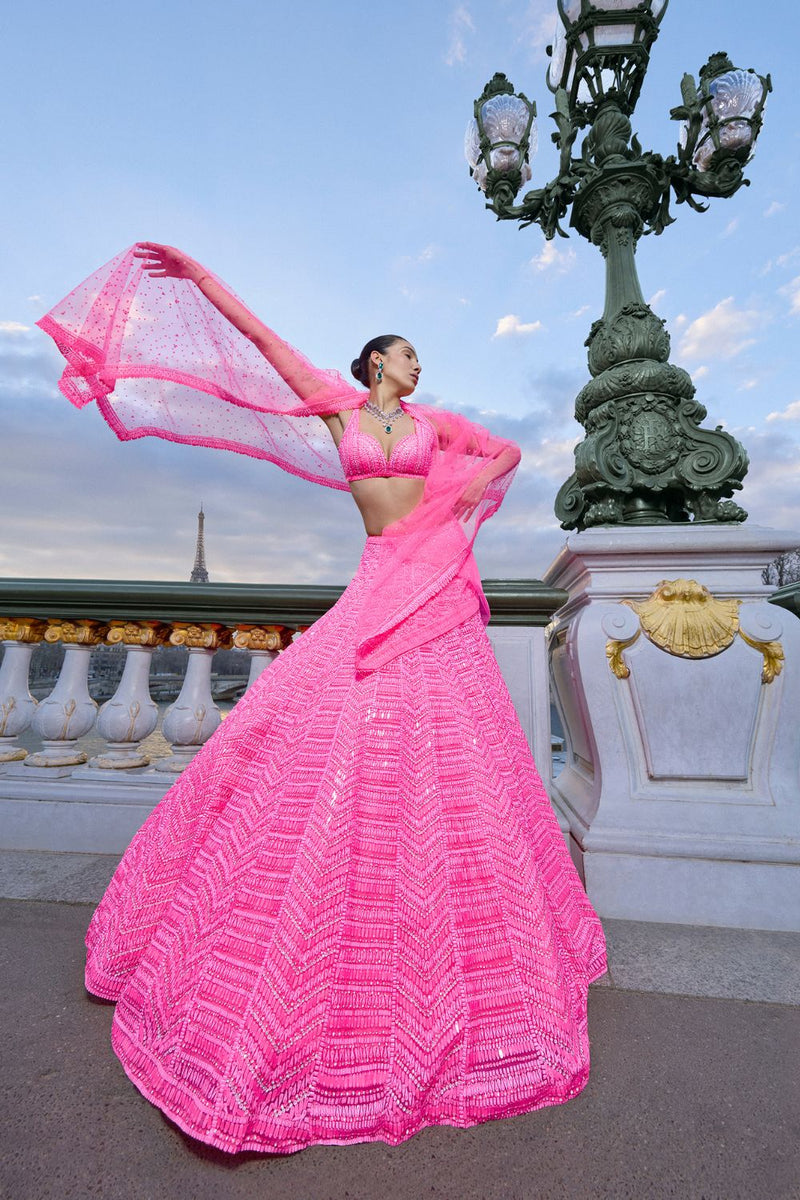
x,y
388,428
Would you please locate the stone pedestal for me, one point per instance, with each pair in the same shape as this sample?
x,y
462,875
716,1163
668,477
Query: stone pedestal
x,y
680,704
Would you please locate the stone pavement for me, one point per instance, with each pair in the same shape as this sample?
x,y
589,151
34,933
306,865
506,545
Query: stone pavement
x,y
694,1093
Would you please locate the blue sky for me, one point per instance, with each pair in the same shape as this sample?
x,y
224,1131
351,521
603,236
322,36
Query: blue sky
x,y
313,157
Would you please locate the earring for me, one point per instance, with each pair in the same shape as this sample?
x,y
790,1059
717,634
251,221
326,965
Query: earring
x,y
379,376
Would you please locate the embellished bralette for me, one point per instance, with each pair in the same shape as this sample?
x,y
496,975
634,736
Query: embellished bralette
x,y
363,456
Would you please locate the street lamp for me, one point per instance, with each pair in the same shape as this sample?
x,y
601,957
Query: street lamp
x,y
501,139
644,459
721,121
601,50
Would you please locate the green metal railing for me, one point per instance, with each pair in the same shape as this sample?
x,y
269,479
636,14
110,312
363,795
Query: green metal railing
x,y
512,601
788,597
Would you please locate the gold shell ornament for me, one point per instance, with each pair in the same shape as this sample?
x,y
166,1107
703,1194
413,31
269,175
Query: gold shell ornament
x,y
683,618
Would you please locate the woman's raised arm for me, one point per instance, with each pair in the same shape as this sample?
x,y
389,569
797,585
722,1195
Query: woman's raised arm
x,y
497,455
163,262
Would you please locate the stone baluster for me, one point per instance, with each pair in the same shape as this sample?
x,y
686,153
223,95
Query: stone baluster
x,y
194,716
69,711
263,643
131,714
17,705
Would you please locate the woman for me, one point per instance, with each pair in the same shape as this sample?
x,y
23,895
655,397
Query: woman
x,y
354,915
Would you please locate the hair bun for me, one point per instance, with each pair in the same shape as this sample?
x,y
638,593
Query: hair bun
x,y
355,369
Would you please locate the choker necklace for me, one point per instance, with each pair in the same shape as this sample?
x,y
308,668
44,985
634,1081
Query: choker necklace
x,y
387,419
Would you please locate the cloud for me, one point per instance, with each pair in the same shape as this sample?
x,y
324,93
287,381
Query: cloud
x,y
29,367
774,208
522,540
461,25
790,413
772,483
550,258
722,332
657,297
792,290
419,257
584,308
512,326
89,506
747,385
782,260
731,227
700,372
536,28
427,253
410,270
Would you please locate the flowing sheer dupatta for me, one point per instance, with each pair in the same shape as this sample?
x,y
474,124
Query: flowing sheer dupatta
x,y
159,359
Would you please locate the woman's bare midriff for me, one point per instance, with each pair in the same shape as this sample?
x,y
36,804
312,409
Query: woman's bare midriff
x,y
382,501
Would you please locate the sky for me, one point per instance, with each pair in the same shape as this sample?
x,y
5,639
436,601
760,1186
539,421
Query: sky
x,y
312,156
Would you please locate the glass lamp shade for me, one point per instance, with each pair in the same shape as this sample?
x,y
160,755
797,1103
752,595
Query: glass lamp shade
x,y
508,124
602,48
732,106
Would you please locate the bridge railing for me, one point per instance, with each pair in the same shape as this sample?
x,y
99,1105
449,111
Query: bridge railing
x,y
58,798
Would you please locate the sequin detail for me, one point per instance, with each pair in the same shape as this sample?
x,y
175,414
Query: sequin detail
x,y
363,457
353,915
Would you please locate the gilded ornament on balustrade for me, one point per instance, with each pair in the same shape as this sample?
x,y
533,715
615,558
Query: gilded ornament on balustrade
x,y
200,637
76,633
773,656
137,633
22,629
614,648
262,637
683,618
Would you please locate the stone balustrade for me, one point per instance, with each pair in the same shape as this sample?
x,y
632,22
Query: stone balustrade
x,y
55,799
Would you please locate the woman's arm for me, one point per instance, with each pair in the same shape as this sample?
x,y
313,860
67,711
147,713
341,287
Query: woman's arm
x,y
498,454
473,493
162,262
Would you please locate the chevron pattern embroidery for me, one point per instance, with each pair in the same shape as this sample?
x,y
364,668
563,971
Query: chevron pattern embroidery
x,y
354,915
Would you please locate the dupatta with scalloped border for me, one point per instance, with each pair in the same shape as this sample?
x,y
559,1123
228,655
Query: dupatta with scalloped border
x,y
160,360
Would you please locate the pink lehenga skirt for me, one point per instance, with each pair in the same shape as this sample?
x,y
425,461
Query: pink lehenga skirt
x,y
354,914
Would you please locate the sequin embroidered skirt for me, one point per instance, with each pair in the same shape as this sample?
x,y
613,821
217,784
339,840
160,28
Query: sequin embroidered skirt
x,y
353,915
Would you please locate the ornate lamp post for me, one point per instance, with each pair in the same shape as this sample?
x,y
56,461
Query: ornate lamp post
x,y
645,458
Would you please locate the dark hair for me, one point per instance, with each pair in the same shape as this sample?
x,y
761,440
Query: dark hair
x,y
359,367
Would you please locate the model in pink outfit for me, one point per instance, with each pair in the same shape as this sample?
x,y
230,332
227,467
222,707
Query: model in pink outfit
x,y
353,915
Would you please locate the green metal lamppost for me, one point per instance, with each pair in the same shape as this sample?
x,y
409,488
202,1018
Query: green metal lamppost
x,y
644,459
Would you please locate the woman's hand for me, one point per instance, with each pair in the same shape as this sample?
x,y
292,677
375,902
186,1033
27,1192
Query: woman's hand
x,y
166,262
470,498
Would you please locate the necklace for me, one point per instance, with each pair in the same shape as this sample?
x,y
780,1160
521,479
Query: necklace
x,y
387,419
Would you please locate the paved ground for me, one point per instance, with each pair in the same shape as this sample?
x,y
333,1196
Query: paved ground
x,y
691,1097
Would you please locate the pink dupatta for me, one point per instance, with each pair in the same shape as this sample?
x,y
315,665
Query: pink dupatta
x,y
160,360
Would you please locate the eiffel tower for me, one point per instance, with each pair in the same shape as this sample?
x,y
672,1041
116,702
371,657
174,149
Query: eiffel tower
x,y
199,572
